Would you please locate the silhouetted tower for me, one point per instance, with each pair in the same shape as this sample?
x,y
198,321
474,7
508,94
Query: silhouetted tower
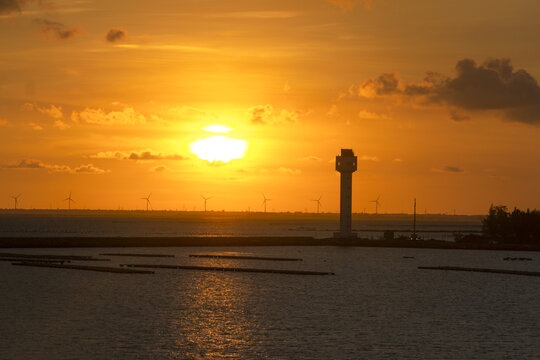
x,y
346,164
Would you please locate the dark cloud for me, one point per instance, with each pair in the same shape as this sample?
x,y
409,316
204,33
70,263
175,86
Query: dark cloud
x,y
56,29
452,169
385,84
116,34
9,6
448,169
137,155
149,155
159,168
53,168
25,164
493,85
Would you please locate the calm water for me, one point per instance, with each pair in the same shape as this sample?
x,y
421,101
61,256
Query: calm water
x,y
377,306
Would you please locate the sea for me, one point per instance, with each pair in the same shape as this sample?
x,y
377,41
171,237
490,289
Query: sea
x,y
83,223
377,305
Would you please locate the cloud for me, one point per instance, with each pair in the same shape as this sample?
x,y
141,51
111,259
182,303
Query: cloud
x,y
36,164
159,168
56,29
143,155
260,114
9,6
266,114
116,34
128,116
286,170
448,169
25,164
35,126
369,158
333,111
61,125
88,169
384,84
493,85
53,111
3,122
149,155
367,115
397,160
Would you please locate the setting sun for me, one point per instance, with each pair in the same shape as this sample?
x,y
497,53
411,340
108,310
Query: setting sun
x,y
219,148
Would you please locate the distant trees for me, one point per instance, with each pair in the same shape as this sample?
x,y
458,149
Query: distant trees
x,y
516,227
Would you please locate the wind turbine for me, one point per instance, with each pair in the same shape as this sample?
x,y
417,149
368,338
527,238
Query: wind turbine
x,y
205,200
147,201
318,203
16,200
265,201
69,200
377,204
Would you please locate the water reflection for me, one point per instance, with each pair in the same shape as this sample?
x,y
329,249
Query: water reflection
x,y
213,320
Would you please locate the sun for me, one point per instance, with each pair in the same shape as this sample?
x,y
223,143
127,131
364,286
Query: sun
x,y
219,147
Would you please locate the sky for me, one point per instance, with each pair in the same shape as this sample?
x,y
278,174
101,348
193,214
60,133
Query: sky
x,y
104,99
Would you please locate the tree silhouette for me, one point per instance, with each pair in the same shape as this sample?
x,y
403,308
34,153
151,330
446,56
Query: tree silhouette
x,y
517,227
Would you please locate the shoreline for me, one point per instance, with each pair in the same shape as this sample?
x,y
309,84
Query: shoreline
x,y
228,241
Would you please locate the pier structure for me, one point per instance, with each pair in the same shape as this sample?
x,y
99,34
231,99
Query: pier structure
x,y
346,164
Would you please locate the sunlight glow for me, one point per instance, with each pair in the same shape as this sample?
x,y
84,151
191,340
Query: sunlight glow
x,y
219,148
219,129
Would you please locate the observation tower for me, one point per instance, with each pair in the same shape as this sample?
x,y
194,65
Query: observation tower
x,y
346,164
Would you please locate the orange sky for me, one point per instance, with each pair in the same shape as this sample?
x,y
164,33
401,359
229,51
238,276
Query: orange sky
x,y
439,100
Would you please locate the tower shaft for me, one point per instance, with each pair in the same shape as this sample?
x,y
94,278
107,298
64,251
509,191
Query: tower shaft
x,y
345,213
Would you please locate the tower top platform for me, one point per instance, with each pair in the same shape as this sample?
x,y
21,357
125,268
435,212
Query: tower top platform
x,y
346,162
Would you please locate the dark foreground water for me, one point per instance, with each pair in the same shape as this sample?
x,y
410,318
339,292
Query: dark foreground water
x,y
377,306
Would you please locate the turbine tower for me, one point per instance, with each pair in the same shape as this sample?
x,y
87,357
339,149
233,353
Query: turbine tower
x,y
265,201
346,164
15,200
147,201
69,200
318,203
413,236
377,204
205,200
